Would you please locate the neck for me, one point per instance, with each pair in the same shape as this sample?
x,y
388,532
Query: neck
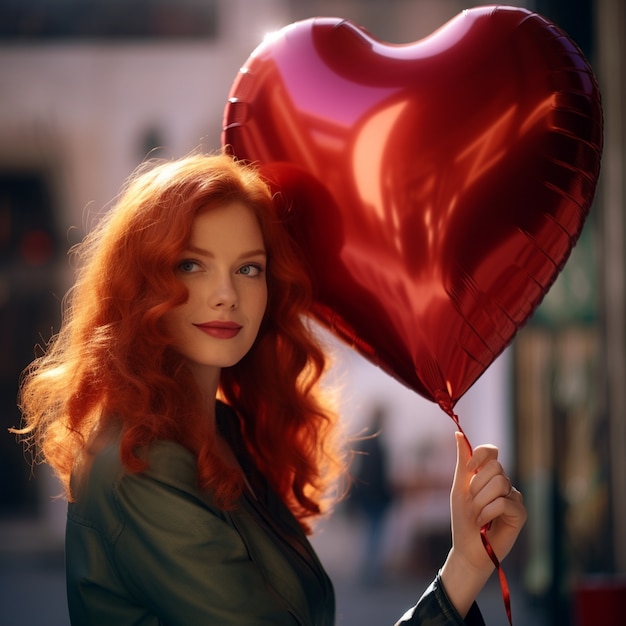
x,y
207,380
202,426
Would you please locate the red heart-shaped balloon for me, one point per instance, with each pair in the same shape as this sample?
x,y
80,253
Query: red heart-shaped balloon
x,y
436,188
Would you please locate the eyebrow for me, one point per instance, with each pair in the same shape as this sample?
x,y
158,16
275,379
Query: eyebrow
x,y
207,253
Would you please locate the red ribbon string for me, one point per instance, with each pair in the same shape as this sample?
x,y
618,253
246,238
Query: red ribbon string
x,y
504,585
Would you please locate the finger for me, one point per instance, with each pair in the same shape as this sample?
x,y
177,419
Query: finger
x,y
492,473
482,455
510,509
497,487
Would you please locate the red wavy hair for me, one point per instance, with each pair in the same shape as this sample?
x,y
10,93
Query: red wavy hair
x,y
112,365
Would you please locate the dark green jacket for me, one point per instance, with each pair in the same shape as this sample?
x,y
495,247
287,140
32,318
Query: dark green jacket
x,y
151,549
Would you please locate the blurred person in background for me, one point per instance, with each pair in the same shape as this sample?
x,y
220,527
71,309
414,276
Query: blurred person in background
x,y
371,496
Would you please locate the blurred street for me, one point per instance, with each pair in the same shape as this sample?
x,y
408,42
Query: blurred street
x,y
32,590
338,545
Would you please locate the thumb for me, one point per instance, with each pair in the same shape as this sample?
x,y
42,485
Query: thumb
x,y
463,457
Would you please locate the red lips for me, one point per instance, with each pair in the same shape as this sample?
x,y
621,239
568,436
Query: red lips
x,y
220,330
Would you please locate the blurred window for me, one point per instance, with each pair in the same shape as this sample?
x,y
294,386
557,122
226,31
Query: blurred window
x,y
107,20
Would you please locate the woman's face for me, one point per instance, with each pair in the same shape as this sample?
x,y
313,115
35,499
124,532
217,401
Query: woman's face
x,y
223,268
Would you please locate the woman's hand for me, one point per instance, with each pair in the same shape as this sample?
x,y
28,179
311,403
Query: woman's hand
x,y
482,494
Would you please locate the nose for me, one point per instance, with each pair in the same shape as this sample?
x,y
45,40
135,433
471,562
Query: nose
x,y
224,294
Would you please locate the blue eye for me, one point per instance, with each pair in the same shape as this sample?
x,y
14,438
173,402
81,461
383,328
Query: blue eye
x,y
187,266
251,269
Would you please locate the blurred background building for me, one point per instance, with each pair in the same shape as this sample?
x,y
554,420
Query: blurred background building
x,y
90,88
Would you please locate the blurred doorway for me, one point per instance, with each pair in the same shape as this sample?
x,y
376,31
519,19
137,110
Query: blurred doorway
x,y
30,247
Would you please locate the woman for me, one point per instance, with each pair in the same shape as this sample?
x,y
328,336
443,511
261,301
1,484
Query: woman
x,y
180,407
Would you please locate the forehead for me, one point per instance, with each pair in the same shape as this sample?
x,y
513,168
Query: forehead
x,y
231,222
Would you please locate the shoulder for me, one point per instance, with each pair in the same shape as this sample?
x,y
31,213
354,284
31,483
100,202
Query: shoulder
x,y
167,462
107,489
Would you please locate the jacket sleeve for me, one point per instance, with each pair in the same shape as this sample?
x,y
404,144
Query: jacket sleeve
x,y
435,609
180,558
